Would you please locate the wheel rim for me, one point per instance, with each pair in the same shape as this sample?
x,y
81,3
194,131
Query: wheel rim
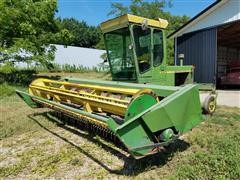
x,y
212,106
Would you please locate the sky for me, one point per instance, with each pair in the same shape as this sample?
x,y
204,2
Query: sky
x,y
95,11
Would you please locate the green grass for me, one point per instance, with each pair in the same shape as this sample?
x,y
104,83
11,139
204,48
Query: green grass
x,y
14,117
48,164
6,90
24,160
217,143
218,158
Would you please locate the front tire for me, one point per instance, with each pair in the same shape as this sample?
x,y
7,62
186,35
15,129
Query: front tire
x,y
209,105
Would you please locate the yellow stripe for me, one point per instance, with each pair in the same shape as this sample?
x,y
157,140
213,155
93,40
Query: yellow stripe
x,y
77,94
109,89
108,106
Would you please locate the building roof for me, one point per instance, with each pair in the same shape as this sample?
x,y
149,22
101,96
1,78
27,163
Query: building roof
x,y
220,12
124,20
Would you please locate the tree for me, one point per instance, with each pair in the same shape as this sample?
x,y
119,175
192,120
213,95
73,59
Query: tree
x,y
27,29
143,8
84,35
152,10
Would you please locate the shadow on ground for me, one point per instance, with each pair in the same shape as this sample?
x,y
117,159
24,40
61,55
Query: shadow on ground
x,y
131,166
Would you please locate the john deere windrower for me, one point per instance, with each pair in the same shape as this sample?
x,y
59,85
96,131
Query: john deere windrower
x,y
142,113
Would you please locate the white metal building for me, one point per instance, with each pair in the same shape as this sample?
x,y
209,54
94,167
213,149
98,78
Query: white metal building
x,y
77,56
86,57
211,40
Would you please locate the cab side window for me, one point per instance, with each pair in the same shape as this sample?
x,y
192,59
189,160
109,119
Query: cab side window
x,y
157,47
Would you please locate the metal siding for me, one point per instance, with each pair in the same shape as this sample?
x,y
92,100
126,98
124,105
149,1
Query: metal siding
x,y
199,49
72,55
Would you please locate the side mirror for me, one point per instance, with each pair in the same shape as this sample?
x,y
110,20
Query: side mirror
x,y
144,24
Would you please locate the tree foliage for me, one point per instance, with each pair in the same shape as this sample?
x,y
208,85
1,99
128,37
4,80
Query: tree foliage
x,y
149,9
153,10
83,34
28,27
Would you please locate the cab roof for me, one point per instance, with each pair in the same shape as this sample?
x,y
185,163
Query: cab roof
x,y
125,20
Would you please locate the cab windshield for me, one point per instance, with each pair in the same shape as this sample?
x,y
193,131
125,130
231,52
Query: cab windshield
x,y
142,39
120,54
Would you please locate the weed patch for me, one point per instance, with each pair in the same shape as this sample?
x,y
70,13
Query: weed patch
x,y
6,90
15,117
49,164
25,159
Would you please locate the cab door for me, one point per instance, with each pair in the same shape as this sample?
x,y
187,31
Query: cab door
x,y
143,55
159,68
